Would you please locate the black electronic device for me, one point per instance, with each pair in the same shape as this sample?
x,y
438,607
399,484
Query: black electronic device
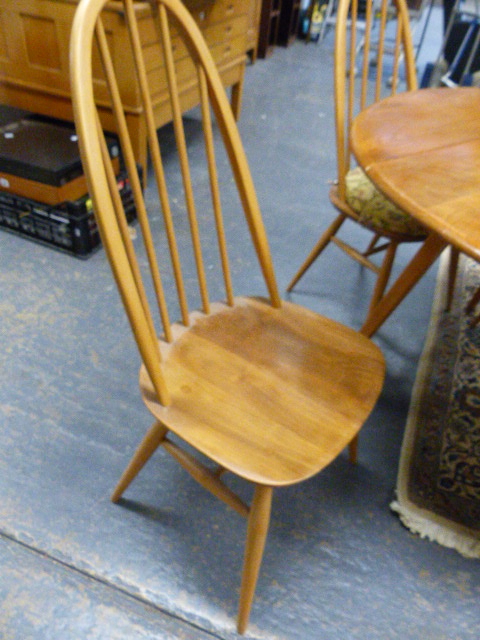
x,y
40,160
69,226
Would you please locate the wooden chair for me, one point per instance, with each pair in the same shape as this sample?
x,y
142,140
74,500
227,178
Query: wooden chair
x,y
264,388
382,65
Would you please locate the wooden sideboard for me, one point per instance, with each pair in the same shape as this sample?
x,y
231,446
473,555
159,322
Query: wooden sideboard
x,y
269,24
34,42
254,13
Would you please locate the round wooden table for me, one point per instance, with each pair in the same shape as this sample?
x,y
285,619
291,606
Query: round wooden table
x,y
422,150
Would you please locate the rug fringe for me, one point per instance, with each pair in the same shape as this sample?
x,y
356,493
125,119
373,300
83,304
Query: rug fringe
x,y
437,532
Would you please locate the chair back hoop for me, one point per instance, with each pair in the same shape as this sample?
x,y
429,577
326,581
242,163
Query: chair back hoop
x,y
178,48
374,57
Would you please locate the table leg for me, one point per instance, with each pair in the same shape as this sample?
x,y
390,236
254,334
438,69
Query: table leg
x,y
418,265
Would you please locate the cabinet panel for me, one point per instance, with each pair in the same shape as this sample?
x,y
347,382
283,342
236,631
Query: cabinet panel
x,y
289,18
269,24
3,41
41,42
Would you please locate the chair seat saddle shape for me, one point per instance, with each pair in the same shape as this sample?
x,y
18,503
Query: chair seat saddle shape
x,y
262,365
374,57
266,389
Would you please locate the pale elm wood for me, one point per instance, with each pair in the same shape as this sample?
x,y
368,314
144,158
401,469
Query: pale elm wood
x,y
204,476
147,448
273,395
258,522
265,389
420,263
422,149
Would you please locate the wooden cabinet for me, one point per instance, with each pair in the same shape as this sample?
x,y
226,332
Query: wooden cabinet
x,y
269,23
254,11
289,17
34,41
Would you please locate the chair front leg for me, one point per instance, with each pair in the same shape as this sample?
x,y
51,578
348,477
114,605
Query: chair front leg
x,y
151,441
257,529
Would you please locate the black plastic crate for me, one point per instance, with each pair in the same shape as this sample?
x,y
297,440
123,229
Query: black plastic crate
x,y
69,227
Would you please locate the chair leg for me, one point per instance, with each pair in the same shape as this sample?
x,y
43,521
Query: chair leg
x,y
473,302
257,530
452,275
353,450
150,443
317,249
384,275
371,247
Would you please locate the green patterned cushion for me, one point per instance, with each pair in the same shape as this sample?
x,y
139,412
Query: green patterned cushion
x,y
374,209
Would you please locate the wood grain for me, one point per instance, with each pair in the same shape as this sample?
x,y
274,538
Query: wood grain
x,y
273,395
423,151
264,388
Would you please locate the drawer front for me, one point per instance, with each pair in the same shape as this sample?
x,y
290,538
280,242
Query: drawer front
x,y
226,31
228,51
205,14
34,42
212,12
226,42
214,35
222,53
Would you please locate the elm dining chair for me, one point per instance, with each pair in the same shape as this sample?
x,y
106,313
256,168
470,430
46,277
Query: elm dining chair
x,y
374,57
263,388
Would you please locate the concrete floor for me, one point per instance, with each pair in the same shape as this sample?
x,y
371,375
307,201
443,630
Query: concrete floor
x,y
165,563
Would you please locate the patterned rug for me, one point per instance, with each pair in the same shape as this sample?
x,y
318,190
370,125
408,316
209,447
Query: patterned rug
x,y
438,488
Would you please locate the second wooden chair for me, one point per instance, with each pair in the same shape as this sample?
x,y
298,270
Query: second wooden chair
x,y
374,57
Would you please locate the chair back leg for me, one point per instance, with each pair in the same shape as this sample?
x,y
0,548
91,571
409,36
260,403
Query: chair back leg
x,y
318,248
384,274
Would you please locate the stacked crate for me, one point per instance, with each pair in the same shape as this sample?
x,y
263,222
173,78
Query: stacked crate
x,y
43,190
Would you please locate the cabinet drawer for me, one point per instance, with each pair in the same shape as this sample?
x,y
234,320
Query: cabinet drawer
x,y
222,54
226,31
220,34
209,13
228,51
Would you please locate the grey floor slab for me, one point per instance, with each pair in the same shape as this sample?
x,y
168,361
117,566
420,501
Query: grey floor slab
x,y
338,564
41,598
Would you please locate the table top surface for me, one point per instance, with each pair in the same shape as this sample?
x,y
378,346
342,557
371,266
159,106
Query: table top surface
x,y
422,149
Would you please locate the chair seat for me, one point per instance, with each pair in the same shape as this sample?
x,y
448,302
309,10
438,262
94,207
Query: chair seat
x,y
273,395
375,210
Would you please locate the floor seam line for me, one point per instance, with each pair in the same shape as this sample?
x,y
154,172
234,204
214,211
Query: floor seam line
x,y
103,581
